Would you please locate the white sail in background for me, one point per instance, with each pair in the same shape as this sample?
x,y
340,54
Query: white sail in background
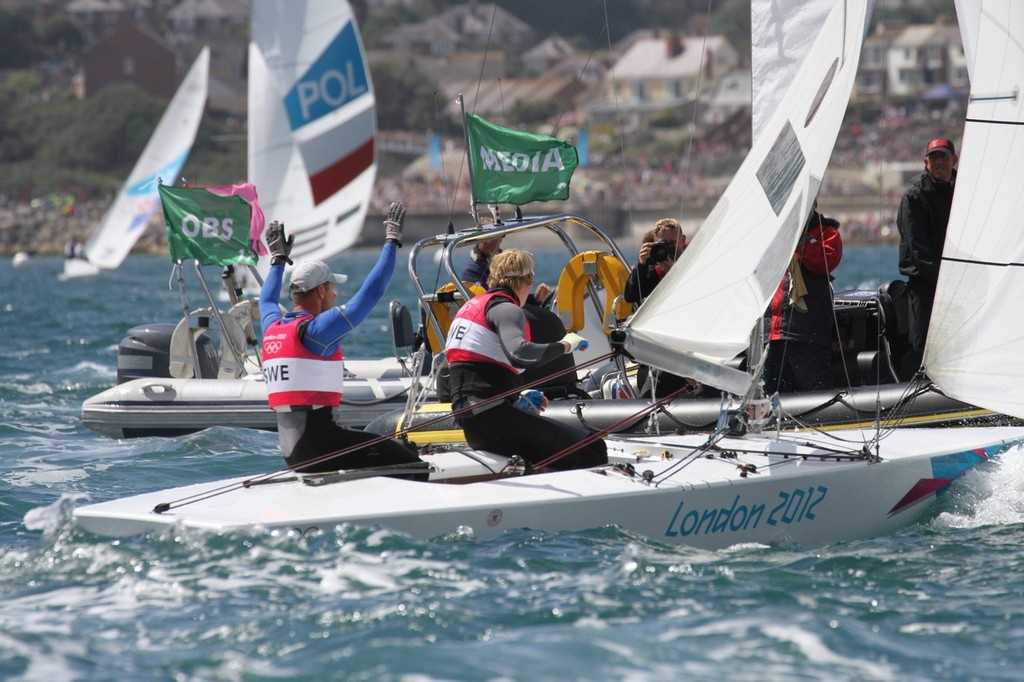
x,y
781,34
976,337
162,160
312,122
701,315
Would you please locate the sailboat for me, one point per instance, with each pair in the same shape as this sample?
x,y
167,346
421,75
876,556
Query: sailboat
x,y
312,123
161,161
707,491
150,402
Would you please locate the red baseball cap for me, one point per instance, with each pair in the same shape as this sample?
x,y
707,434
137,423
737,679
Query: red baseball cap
x,y
941,144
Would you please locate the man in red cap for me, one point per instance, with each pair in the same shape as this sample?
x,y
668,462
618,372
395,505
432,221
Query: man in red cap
x,y
921,219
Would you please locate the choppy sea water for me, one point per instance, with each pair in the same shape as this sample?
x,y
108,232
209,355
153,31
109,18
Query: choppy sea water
x,y
941,600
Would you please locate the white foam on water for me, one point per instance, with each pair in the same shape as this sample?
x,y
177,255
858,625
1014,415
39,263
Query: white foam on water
x,y
994,494
816,651
52,517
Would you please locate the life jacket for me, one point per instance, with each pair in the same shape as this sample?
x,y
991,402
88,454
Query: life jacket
x,y
295,376
472,338
818,255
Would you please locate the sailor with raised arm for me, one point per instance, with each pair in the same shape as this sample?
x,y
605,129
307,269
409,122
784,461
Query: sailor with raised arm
x,y
303,363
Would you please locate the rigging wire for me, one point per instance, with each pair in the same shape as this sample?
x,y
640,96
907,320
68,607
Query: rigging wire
x,y
880,340
575,87
693,118
618,118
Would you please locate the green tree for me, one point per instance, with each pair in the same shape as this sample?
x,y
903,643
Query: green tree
x,y
407,98
61,36
19,42
108,132
378,25
732,20
219,155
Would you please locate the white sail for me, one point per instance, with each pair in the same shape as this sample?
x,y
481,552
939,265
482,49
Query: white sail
x,y
701,315
161,160
968,15
781,34
976,336
312,122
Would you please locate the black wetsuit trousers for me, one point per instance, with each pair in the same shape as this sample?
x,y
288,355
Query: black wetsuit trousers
x,y
323,436
507,430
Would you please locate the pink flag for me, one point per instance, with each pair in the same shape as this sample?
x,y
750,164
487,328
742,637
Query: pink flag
x,y
247,191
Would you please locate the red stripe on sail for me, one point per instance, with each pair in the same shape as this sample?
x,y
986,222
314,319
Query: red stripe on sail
x,y
328,181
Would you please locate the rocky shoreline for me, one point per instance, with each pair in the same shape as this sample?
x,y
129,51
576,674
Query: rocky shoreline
x,y
44,230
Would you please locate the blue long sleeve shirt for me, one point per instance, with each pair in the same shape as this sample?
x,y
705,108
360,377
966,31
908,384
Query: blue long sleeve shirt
x,y
325,331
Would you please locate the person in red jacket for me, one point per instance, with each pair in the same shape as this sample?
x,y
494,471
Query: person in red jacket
x,y
800,316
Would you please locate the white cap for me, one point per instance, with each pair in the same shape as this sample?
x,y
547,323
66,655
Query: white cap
x,y
310,274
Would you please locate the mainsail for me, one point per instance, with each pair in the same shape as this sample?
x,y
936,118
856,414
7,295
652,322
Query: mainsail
x,y
161,160
781,34
312,122
968,15
976,335
701,315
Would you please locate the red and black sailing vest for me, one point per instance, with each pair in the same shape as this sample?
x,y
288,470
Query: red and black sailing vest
x,y
471,337
296,377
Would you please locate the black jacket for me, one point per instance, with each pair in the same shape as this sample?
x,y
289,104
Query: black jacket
x,y
641,282
922,219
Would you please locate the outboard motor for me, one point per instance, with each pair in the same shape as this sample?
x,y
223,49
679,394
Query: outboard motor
x,y
145,352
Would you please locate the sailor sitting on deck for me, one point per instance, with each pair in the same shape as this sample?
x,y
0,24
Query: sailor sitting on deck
x,y
302,358
488,346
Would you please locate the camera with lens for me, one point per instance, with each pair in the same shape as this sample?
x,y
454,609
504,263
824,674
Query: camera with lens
x,y
661,251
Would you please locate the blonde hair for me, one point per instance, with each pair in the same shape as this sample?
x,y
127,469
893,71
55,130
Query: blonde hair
x,y
511,268
666,224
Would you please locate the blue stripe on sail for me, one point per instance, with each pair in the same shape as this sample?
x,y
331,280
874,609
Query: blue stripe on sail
x,y
143,210
336,78
168,173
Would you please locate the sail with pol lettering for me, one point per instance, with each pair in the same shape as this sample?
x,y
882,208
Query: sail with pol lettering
x,y
312,122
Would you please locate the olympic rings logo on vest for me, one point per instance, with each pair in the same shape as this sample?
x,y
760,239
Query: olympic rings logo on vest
x,y
271,346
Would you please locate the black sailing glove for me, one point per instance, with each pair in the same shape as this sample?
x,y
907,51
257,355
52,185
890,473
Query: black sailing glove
x,y
279,247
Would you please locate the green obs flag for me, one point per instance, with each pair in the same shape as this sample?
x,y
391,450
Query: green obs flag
x,y
211,228
510,167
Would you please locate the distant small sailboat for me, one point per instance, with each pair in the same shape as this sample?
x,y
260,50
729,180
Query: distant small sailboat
x,y
161,160
21,260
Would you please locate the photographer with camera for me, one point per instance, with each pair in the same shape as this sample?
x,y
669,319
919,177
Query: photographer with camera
x,y
658,254
656,258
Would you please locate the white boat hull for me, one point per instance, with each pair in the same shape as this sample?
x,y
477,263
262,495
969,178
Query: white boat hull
x,y
78,267
799,490
160,406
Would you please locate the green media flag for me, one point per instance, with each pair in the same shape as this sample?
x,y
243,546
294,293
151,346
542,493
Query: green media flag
x,y
211,228
511,167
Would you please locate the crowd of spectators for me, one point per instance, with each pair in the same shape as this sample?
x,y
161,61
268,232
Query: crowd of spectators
x,y
690,177
871,162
